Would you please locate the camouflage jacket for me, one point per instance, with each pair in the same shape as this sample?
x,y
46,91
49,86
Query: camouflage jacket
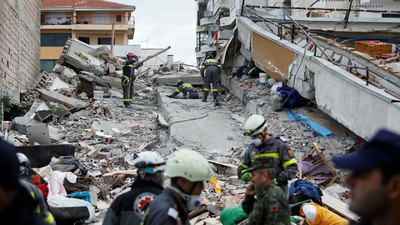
x,y
270,207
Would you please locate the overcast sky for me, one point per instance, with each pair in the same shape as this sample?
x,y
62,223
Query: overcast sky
x,y
166,23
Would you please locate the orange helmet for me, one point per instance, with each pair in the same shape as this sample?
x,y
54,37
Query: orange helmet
x,y
130,54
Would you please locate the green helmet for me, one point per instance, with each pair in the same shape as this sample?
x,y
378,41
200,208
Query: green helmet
x,y
188,164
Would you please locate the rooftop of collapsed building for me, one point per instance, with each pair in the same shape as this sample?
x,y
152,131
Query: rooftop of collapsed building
x,y
78,129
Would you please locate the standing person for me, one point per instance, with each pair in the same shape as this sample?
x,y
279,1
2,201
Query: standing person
x,y
271,205
17,206
128,77
129,208
375,179
210,71
185,89
267,145
187,170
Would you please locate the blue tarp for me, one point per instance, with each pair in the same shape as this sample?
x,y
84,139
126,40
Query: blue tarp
x,y
321,130
291,96
305,188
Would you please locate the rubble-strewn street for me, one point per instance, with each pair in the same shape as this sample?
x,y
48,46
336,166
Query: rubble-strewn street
x,y
106,137
272,112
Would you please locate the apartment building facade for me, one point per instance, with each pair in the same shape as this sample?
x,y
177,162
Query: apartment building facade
x,y
89,21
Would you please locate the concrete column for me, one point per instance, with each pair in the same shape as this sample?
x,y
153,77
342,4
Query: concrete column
x,y
125,38
74,17
126,18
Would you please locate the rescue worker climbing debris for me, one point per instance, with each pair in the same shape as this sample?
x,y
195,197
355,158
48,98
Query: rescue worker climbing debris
x,y
129,77
271,205
210,71
130,207
17,206
185,89
187,170
267,145
375,179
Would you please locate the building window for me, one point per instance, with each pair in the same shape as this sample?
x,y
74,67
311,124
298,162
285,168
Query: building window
x,y
104,41
54,39
85,39
119,18
47,65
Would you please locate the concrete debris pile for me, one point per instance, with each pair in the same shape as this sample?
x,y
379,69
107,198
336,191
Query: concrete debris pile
x,y
84,145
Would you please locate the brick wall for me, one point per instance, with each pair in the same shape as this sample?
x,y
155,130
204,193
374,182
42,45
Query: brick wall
x,y
19,45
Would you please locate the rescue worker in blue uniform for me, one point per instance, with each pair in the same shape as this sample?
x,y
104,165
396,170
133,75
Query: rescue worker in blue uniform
x,y
129,208
185,89
128,69
210,71
187,170
265,145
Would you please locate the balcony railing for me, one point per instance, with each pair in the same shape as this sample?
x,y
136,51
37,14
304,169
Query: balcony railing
x,y
83,20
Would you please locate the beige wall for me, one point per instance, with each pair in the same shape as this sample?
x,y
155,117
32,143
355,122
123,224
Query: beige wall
x,y
84,16
50,53
120,38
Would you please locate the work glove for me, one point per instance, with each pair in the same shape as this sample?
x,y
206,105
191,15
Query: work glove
x,y
246,176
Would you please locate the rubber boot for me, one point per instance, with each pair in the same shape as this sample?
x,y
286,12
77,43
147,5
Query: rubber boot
x,y
205,97
216,98
127,105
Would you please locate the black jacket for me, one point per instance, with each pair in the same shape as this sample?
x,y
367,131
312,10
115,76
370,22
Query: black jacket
x,y
166,209
21,211
128,208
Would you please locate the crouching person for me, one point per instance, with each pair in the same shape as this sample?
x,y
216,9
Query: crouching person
x,y
270,206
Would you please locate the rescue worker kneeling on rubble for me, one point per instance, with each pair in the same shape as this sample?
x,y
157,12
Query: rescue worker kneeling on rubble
x,y
210,71
128,77
271,205
187,170
129,208
185,88
265,145
17,206
26,173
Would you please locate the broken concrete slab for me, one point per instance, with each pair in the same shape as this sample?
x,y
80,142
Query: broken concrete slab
x,y
194,79
38,133
20,123
77,62
58,84
52,96
67,74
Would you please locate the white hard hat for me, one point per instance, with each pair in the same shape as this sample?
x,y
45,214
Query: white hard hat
x,y
24,162
254,125
188,164
151,162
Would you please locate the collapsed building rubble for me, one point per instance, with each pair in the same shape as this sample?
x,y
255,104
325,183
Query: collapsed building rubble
x,y
87,143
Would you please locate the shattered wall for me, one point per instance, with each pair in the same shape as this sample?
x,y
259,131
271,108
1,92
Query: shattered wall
x,y
338,93
19,45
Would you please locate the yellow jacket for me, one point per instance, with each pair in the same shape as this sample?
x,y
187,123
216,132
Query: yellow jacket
x,y
324,216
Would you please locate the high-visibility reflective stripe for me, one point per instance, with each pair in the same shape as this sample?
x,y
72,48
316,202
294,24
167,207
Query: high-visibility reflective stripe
x,y
252,69
187,85
219,65
127,100
288,163
273,155
206,89
126,81
49,219
33,195
215,89
244,166
178,91
203,67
